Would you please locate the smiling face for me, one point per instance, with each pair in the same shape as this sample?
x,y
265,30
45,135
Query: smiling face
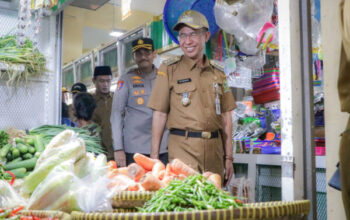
x,y
192,41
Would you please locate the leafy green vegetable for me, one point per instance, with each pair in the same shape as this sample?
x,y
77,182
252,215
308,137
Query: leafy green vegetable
x,y
3,175
4,137
50,131
11,54
193,193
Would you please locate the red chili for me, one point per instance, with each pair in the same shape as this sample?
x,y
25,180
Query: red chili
x,y
238,201
26,218
15,210
13,177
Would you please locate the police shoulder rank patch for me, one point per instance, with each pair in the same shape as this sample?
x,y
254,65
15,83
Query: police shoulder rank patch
x,y
225,86
160,73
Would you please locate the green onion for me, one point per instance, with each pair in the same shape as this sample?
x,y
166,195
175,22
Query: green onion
x,y
50,131
11,54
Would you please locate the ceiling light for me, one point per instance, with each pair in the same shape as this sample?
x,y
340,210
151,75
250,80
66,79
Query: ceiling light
x,y
116,33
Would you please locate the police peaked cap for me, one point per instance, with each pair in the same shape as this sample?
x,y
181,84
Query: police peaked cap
x,y
143,42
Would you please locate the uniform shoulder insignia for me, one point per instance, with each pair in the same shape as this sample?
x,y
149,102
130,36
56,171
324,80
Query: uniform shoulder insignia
x,y
172,60
217,65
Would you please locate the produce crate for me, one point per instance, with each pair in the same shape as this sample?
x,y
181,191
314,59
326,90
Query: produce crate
x,y
46,214
131,199
267,210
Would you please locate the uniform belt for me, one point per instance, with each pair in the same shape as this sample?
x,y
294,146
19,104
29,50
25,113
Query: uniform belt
x,y
195,134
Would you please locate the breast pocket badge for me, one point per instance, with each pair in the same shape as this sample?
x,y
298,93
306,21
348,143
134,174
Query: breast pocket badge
x,y
185,99
140,101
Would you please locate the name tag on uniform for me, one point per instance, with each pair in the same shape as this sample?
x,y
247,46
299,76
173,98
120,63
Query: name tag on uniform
x,y
180,81
138,85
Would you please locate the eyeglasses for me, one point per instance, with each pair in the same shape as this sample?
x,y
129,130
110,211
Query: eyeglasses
x,y
141,53
193,35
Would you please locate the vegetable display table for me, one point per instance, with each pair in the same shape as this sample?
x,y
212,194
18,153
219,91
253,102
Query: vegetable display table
x,y
46,214
265,210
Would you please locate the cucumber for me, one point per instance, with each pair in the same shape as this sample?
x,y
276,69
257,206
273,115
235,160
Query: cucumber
x,y
19,172
15,153
28,164
22,148
30,141
15,160
31,150
38,143
19,140
37,154
4,150
27,156
9,156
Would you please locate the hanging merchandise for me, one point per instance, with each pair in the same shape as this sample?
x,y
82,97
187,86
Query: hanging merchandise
x,y
266,88
240,78
245,20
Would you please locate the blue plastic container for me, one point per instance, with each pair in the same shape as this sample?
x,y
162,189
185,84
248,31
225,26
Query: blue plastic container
x,y
174,8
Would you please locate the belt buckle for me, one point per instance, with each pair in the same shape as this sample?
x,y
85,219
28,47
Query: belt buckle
x,y
206,134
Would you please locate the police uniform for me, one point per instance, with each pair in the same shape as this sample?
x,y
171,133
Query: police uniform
x,y
344,95
194,98
131,119
101,116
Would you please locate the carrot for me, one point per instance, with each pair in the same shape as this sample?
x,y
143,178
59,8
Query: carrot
x,y
215,179
159,166
179,167
122,170
207,174
120,182
112,164
134,187
146,162
135,171
161,174
150,182
166,180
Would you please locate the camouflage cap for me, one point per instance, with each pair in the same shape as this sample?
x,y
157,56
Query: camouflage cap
x,y
193,19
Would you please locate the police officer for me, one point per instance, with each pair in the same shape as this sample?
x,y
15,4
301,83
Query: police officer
x,y
131,119
76,88
103,98
192,96
344,95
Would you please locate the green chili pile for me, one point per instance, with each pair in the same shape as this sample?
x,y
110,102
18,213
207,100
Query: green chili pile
x,y
3,138
192,194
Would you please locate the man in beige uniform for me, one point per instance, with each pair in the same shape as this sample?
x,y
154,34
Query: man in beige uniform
x,y
104,98
344,95
192,95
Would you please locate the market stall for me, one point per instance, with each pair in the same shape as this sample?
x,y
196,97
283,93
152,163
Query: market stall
x,y
65,169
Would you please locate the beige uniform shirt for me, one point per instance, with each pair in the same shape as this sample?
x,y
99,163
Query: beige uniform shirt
x,y
199,83
101,117
344,68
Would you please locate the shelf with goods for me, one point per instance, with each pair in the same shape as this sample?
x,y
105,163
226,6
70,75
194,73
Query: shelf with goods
x,y
32,98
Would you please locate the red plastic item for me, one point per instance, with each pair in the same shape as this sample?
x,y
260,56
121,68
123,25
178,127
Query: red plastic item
x,y
13,177
320,151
